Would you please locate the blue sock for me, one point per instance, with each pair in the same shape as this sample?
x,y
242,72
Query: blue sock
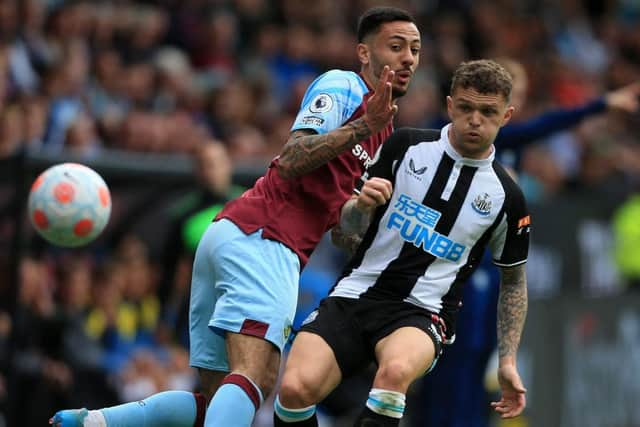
x,y
166,409
235,403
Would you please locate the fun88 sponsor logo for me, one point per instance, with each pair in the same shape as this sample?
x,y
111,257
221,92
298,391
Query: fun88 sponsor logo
x,y
416,222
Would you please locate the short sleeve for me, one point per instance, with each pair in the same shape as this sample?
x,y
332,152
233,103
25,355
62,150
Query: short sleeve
x,y
510,240
330,100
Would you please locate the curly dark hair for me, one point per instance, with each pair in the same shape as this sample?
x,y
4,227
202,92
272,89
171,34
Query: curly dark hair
x,y
485,76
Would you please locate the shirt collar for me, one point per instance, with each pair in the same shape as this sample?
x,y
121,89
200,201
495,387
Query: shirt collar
x,y
448,148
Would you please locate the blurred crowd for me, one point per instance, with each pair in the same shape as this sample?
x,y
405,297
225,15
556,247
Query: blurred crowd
x,y
85,77
160,76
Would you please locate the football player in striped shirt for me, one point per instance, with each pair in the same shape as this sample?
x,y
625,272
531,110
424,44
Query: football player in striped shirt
x,y
428,206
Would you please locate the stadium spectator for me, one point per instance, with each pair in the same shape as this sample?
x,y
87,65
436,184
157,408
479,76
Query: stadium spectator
x,y
35,109
39,377
189,218
11,130
74,280
81,138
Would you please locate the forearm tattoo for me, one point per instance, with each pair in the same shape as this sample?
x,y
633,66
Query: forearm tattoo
x,y
353,220
512,309
347,241
305,152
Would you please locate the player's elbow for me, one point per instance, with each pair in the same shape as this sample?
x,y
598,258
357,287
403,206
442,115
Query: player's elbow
x,y
285,164
284,168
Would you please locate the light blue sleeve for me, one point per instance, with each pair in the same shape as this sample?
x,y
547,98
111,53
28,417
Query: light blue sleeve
x,y
330,100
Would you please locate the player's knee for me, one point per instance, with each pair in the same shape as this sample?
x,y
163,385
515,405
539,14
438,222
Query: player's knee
x,y
394,375
295,392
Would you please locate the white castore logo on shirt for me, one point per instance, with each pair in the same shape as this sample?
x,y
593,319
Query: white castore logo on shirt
x,y
415,172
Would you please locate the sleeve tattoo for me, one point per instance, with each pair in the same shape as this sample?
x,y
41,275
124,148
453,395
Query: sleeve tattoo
x,y
352,219
351,228
305,151
512,309
347,241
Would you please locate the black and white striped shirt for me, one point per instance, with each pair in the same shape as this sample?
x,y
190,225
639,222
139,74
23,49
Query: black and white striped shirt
x,y
445,209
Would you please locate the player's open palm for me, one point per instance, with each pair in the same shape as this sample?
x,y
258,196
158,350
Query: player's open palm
x,y
380,107
375,192
513,398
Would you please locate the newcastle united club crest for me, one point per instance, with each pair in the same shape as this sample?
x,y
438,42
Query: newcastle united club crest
x,y
482,204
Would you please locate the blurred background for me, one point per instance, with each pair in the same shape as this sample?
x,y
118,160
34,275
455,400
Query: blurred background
x,y
181,104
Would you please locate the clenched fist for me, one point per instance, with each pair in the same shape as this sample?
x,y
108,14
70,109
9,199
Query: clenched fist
x,y
375,192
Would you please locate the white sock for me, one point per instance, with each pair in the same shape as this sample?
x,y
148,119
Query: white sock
x,y
386,402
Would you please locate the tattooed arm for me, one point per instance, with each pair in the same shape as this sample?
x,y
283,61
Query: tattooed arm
x,y
348,233
512,311
306,150
353,220
347,241
356,213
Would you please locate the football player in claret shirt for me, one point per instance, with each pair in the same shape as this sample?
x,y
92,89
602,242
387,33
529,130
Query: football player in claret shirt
x,y
247,265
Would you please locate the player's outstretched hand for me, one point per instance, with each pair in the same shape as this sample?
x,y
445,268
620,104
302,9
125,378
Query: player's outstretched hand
x,y
626,99
513,398
380,107
375,192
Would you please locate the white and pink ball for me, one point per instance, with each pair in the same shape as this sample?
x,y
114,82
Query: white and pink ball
x,y
69,204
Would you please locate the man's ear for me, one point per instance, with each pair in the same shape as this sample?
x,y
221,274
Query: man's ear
x,y
507,115
363,53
